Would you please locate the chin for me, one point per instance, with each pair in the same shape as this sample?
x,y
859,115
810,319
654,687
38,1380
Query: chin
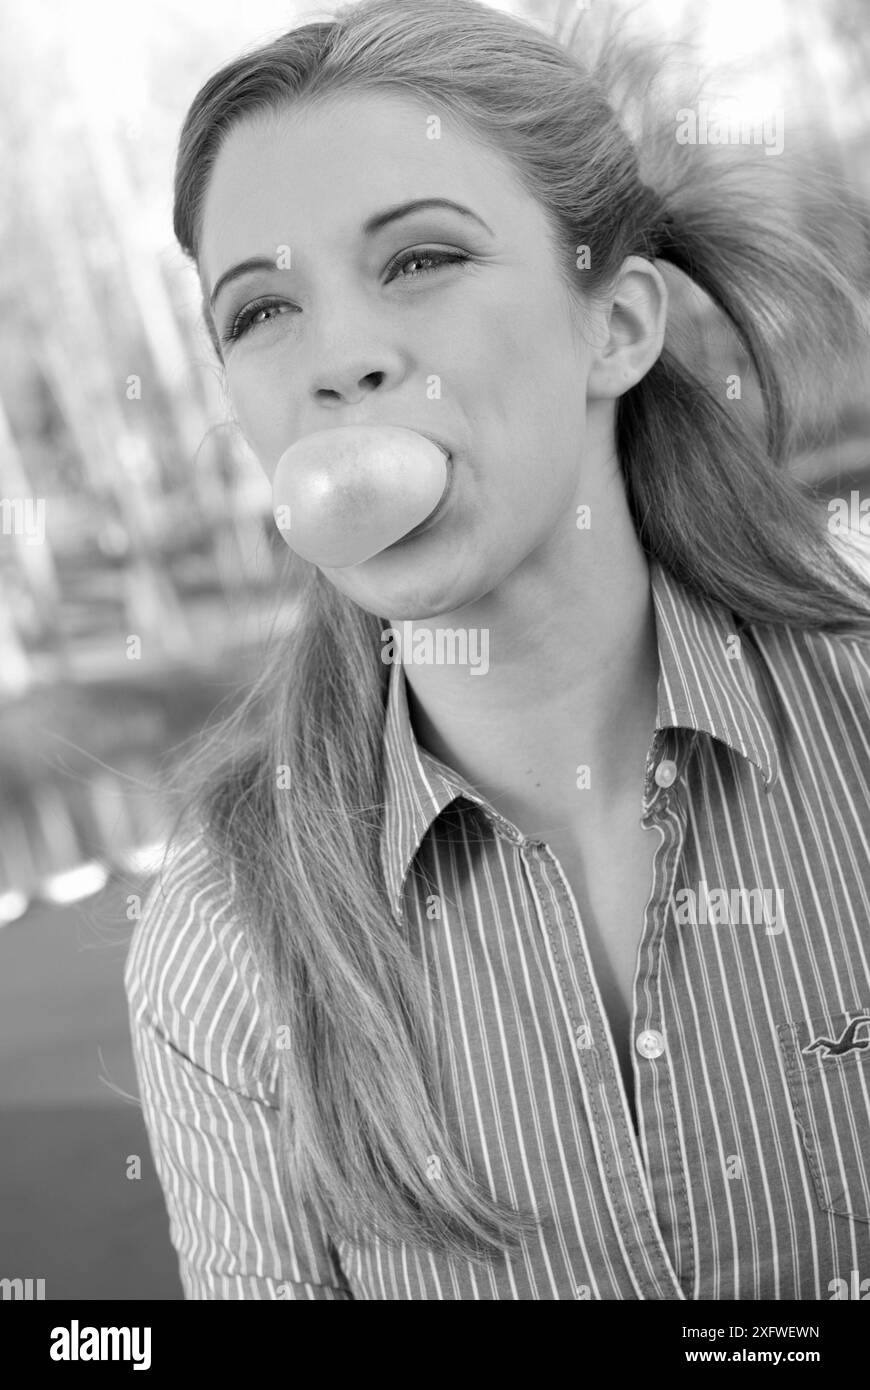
x,y
401,597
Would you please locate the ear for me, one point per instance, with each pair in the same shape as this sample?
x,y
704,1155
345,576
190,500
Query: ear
x,y
634,330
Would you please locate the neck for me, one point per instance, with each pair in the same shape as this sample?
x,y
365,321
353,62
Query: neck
x,y
571,682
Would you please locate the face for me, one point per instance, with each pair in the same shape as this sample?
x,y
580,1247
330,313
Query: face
x,y
455,324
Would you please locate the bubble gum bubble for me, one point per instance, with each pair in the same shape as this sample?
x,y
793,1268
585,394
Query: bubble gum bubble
x,y
342,495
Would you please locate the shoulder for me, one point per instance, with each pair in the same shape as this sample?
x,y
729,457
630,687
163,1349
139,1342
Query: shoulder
x,y
807,663
817,690
191,976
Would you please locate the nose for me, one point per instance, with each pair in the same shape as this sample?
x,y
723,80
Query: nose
x,y
353,354
348,384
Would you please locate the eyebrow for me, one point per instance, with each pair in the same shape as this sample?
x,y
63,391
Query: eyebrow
x,y
370,227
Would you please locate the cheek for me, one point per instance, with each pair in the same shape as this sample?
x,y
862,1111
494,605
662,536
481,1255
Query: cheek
x,y
532,360
560,362
256,407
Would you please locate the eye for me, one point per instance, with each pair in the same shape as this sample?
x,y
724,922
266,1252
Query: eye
x,y
245,320
423,253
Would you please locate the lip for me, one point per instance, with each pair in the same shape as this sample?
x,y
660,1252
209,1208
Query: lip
x,y
433,516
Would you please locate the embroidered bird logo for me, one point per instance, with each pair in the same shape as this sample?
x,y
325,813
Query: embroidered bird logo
x,y
846,1042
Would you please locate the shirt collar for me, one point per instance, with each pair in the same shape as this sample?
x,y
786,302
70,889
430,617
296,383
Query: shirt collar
x,y
708,681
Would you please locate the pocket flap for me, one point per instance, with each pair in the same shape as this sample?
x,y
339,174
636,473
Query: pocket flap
x,y
827,1062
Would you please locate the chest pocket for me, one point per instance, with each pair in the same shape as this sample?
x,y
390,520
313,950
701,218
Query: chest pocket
x,y
828,1068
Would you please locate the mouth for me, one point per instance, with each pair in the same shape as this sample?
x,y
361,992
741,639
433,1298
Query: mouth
x,y
436,511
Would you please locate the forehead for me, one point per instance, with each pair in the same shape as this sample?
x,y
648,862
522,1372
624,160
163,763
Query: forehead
x,y
308,176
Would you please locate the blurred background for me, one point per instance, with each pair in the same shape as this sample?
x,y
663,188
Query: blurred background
x,y
140,568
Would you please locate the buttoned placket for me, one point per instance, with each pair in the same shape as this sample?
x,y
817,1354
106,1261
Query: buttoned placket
x,y
664,807
611,1129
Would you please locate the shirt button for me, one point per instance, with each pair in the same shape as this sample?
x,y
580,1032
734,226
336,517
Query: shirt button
x,y
650,1043
666,773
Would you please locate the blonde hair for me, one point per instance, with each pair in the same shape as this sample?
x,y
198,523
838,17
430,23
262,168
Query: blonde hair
x,y
363,1104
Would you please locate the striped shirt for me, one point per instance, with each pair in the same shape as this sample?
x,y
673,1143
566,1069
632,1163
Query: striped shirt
x,y
749,1174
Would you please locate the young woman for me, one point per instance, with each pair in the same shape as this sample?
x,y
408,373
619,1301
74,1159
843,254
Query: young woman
x,y
546,977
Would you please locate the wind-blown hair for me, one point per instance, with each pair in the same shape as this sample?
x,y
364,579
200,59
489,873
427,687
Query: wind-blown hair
x,y
710,494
